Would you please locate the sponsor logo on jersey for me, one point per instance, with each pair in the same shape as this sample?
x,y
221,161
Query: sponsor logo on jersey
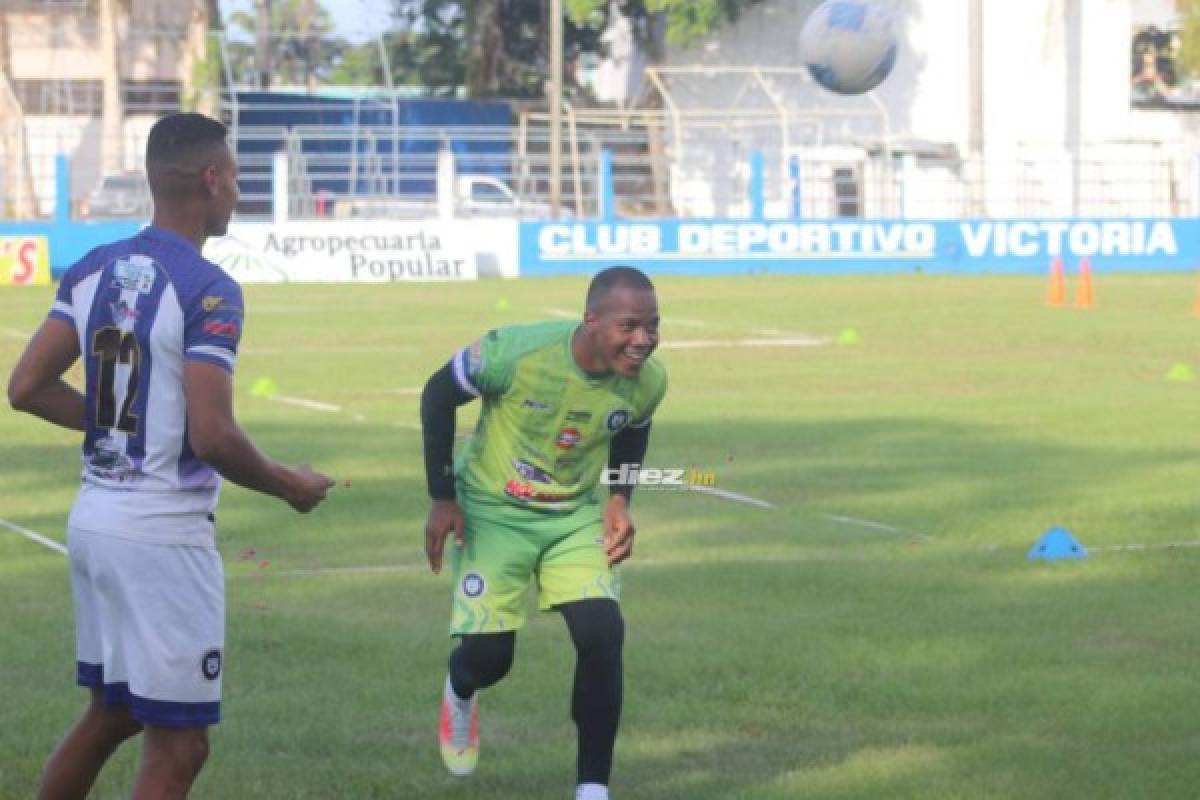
x,y
473,584
532,473
211,303
525,491
123,312
106,461
567,438
517,489
210,665
579,416
536,405
228,328
616,420
134,275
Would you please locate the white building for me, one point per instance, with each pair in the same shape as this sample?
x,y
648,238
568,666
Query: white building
x,y
994,108
86,78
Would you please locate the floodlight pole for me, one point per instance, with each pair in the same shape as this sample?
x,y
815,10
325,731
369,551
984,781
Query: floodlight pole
x,y
556,87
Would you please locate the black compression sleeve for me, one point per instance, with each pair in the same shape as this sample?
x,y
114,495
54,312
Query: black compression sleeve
x,y
439,399
627,447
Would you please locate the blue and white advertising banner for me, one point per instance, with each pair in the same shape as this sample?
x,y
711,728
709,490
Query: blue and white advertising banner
x,y
370,251
698,247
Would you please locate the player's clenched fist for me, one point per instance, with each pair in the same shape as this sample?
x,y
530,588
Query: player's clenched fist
x,y
309,488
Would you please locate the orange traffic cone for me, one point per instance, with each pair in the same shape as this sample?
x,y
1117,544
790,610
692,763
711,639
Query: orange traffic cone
x,y
1057,296
1085,297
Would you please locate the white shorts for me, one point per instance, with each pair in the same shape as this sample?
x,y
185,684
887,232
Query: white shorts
x,y
149,626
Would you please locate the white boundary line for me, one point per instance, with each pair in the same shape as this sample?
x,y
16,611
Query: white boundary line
x,y
314,405
783,333
13,333
274,351
1113,548
734,496
563,313
383,569
879,526
703,344
319,571
34,536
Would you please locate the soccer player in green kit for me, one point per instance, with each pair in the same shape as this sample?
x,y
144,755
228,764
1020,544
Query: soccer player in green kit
x,y
562,401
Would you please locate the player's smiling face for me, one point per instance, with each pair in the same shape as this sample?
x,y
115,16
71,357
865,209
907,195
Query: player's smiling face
x,y
623,332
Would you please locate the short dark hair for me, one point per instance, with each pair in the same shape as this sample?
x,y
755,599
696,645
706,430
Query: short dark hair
x,y
613,278
177,138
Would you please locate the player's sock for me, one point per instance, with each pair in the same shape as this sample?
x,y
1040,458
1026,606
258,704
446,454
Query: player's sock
x,y
598,632
458,731
481,660
591,791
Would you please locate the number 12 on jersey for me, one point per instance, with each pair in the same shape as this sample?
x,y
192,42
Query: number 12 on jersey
x,y
113,346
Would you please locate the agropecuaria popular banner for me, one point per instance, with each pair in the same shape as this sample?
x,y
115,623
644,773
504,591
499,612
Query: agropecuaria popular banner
x,y
370,251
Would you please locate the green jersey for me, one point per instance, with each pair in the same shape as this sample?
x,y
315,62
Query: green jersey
x,y
543,435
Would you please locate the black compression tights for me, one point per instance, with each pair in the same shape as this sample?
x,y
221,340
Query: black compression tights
x,y
598,632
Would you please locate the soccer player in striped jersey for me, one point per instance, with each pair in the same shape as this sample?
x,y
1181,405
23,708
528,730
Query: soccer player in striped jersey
x,y
158,328
562,401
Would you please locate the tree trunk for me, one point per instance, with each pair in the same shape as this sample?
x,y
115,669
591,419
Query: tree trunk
x,y
113,111
483,48
308,45
18,177
262,44
654,44
196,69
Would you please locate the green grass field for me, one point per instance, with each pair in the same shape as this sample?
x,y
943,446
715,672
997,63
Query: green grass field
x,y
802,651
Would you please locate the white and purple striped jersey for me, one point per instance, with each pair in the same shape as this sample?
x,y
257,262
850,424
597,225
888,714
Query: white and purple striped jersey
x,y
142,307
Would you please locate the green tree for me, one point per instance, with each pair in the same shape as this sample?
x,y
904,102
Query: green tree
x,y
303,50
685,20
1188,57
358,65
499,47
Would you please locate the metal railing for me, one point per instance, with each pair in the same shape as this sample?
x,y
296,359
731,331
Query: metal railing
x,y
392,171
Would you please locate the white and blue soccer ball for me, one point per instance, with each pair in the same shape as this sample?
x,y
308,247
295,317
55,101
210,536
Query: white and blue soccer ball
x,y
849,46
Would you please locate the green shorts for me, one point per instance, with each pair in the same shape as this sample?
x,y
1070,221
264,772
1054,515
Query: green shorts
x,y
507,546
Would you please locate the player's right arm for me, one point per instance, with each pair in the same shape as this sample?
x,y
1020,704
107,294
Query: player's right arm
x,y
217,439
482,369
440,398
36,385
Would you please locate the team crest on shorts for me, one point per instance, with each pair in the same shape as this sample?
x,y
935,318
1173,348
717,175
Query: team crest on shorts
x,y
473,584
210,665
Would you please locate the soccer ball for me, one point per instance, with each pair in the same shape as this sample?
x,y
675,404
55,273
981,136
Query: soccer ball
x,y
849,45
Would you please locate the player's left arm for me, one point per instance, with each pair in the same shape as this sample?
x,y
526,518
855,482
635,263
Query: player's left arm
x,y
627,447
36,385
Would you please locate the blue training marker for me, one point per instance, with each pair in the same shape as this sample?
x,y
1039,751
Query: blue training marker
x,y
1055,544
